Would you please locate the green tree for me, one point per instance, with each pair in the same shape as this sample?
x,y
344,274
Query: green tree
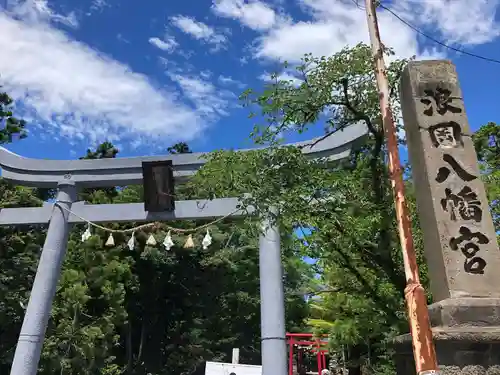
x,y
105,150
10,125
348,204
487,143
19,253
179,148
19,248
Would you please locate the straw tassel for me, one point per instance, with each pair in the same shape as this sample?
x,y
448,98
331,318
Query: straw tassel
x,y
87,234
189,242
167,242
151,240
131,242
111,241
207,240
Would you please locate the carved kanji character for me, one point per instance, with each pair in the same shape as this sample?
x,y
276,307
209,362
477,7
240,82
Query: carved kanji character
x,y
446,134
467,235
472,264
444,172
475,265
439,101
465,203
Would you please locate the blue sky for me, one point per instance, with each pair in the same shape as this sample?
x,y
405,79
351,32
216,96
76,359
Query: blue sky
x,y
146,75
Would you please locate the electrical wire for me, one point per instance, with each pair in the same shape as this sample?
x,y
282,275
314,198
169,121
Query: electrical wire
x,y
425,35
416,29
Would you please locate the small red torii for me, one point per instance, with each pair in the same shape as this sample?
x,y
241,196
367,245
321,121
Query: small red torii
x,y
314,343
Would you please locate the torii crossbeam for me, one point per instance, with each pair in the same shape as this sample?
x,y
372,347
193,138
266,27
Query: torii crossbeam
x,y
70,175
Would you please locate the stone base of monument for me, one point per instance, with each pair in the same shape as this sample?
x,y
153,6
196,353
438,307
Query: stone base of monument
x,y
466,333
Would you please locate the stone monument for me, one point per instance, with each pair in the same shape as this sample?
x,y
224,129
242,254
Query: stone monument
x,y
459,237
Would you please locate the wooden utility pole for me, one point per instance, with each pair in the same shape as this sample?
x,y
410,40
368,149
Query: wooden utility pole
x,y
416,302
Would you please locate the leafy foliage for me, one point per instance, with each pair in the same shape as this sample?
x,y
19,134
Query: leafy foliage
x,y
336,91
11,126
19,249
487,143
179,148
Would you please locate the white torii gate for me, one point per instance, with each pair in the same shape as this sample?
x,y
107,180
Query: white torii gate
x,y
70,175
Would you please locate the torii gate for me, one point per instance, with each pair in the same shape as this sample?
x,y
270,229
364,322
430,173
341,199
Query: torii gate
x,y
70,175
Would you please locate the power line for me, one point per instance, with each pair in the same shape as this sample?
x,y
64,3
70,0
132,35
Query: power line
x,y
436,40
414,28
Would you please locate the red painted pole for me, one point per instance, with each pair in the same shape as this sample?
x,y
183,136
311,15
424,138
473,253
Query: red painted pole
x,y
318,356
290,356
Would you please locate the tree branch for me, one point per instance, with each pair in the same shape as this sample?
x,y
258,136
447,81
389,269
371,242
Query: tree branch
x,y
358,115
371,291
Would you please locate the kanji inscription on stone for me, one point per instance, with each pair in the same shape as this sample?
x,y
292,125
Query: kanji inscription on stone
x,y
446,135
438,101
464,205
459,236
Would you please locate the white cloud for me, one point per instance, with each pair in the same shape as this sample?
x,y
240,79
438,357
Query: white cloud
x,y
331,28
70,90
285,76
121,38
458,21
229,81
98,6
208,99
254,14
243,60
199,30
168,44
39,11
206,74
